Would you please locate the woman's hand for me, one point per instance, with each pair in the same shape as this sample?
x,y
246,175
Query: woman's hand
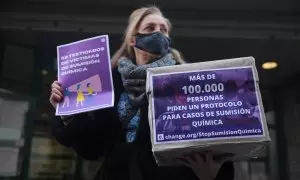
x,y
56,94
205,167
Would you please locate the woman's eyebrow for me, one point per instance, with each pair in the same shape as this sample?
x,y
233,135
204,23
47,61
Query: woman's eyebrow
x,y
149,23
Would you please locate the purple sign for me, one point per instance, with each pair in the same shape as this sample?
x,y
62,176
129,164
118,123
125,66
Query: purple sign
x,y
214,104
84,71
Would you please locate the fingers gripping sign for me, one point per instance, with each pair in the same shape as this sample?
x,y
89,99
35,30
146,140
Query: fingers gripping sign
x,y
56,93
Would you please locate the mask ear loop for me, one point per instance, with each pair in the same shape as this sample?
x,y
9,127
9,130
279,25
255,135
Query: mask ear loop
x,y
134,36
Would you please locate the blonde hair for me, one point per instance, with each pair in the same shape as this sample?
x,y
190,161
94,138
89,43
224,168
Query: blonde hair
x,y
134,21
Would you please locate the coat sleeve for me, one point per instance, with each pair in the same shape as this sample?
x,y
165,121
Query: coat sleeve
x,y
93,133
226,172
89,134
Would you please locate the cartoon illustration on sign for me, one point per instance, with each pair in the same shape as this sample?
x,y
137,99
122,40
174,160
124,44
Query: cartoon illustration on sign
x,y
80,97
66,98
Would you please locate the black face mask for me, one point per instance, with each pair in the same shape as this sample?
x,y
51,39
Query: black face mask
x,y
154,43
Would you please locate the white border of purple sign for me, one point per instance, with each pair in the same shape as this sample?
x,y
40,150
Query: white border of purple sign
x,y
81,110
202,139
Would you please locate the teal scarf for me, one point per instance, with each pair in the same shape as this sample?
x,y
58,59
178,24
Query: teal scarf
x,y
134,97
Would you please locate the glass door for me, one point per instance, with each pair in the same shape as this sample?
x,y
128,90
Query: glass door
x,y
15,112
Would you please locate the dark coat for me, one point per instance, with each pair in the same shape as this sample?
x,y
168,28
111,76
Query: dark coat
x,y
99,134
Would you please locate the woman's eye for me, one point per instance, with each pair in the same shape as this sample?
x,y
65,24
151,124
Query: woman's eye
x,y
164,30
149,28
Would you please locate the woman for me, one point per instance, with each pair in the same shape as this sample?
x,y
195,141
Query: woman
x,y
66,98
80,97
120,135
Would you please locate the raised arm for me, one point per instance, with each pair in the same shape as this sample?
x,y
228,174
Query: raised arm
x,y
89,134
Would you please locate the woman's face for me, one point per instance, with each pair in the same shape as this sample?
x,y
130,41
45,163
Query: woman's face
x,y
152,47
154,23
